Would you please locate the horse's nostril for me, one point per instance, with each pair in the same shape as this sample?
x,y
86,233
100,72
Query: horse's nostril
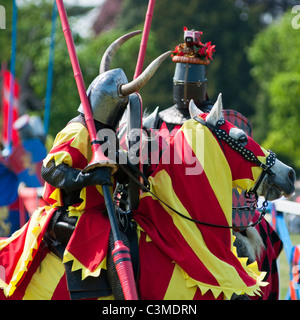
x,y
292,176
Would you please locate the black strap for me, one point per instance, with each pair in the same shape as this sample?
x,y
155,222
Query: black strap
x,y
248,155
237,146
145,188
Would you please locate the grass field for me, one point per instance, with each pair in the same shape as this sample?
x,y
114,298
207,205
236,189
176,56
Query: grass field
x,y
284,268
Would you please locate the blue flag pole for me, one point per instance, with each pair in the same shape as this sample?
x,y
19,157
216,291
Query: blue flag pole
x,y
50,71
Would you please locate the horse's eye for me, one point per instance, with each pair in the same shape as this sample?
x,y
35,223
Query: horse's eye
x,y
238,135
243,139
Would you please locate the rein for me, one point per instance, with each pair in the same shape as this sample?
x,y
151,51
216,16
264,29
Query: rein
x,y
235,145
253,206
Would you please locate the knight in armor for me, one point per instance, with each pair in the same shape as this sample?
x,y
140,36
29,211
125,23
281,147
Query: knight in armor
x,y
189,82
108,95
75,226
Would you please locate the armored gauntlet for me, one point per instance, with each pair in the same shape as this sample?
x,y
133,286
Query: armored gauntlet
x,y
70,179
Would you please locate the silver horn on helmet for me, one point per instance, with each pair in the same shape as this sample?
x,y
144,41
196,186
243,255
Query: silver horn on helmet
x,y
112,49
108,93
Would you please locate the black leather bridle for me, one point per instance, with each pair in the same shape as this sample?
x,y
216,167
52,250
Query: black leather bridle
x,y
235,145
249,156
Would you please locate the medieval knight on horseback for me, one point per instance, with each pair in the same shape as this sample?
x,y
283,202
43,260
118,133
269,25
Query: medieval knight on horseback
x,y
190,83
64,250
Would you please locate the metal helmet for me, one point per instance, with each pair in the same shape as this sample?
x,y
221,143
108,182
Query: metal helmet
x,y
189,82
109,91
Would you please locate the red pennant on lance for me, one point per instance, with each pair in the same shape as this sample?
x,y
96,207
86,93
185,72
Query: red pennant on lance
x,y
5,105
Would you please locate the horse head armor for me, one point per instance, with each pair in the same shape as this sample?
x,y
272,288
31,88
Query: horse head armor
x,y
276,179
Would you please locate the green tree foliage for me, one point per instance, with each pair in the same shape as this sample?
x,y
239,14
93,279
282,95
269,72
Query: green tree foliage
x,y
230,25
275,55
5,34
91,52
33,40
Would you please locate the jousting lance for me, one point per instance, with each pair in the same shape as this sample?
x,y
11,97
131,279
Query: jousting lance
x,y
120,253
140,63
144,41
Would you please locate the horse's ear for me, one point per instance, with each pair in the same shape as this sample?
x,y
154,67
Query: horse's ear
x,y
149,120
193,109
216,111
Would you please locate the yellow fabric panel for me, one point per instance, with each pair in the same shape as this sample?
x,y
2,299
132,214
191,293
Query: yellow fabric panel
x,y
36,223
218,173
45,280
5,241
85,272
79,133
226,275
178,284
56,195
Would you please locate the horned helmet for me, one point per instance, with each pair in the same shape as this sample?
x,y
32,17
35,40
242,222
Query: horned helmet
x,y
109,91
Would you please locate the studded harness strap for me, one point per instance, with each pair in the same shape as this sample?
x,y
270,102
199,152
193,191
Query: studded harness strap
x,y
237,146
247,154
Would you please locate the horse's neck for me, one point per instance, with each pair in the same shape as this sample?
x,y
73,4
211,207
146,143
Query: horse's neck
x,y
198,168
